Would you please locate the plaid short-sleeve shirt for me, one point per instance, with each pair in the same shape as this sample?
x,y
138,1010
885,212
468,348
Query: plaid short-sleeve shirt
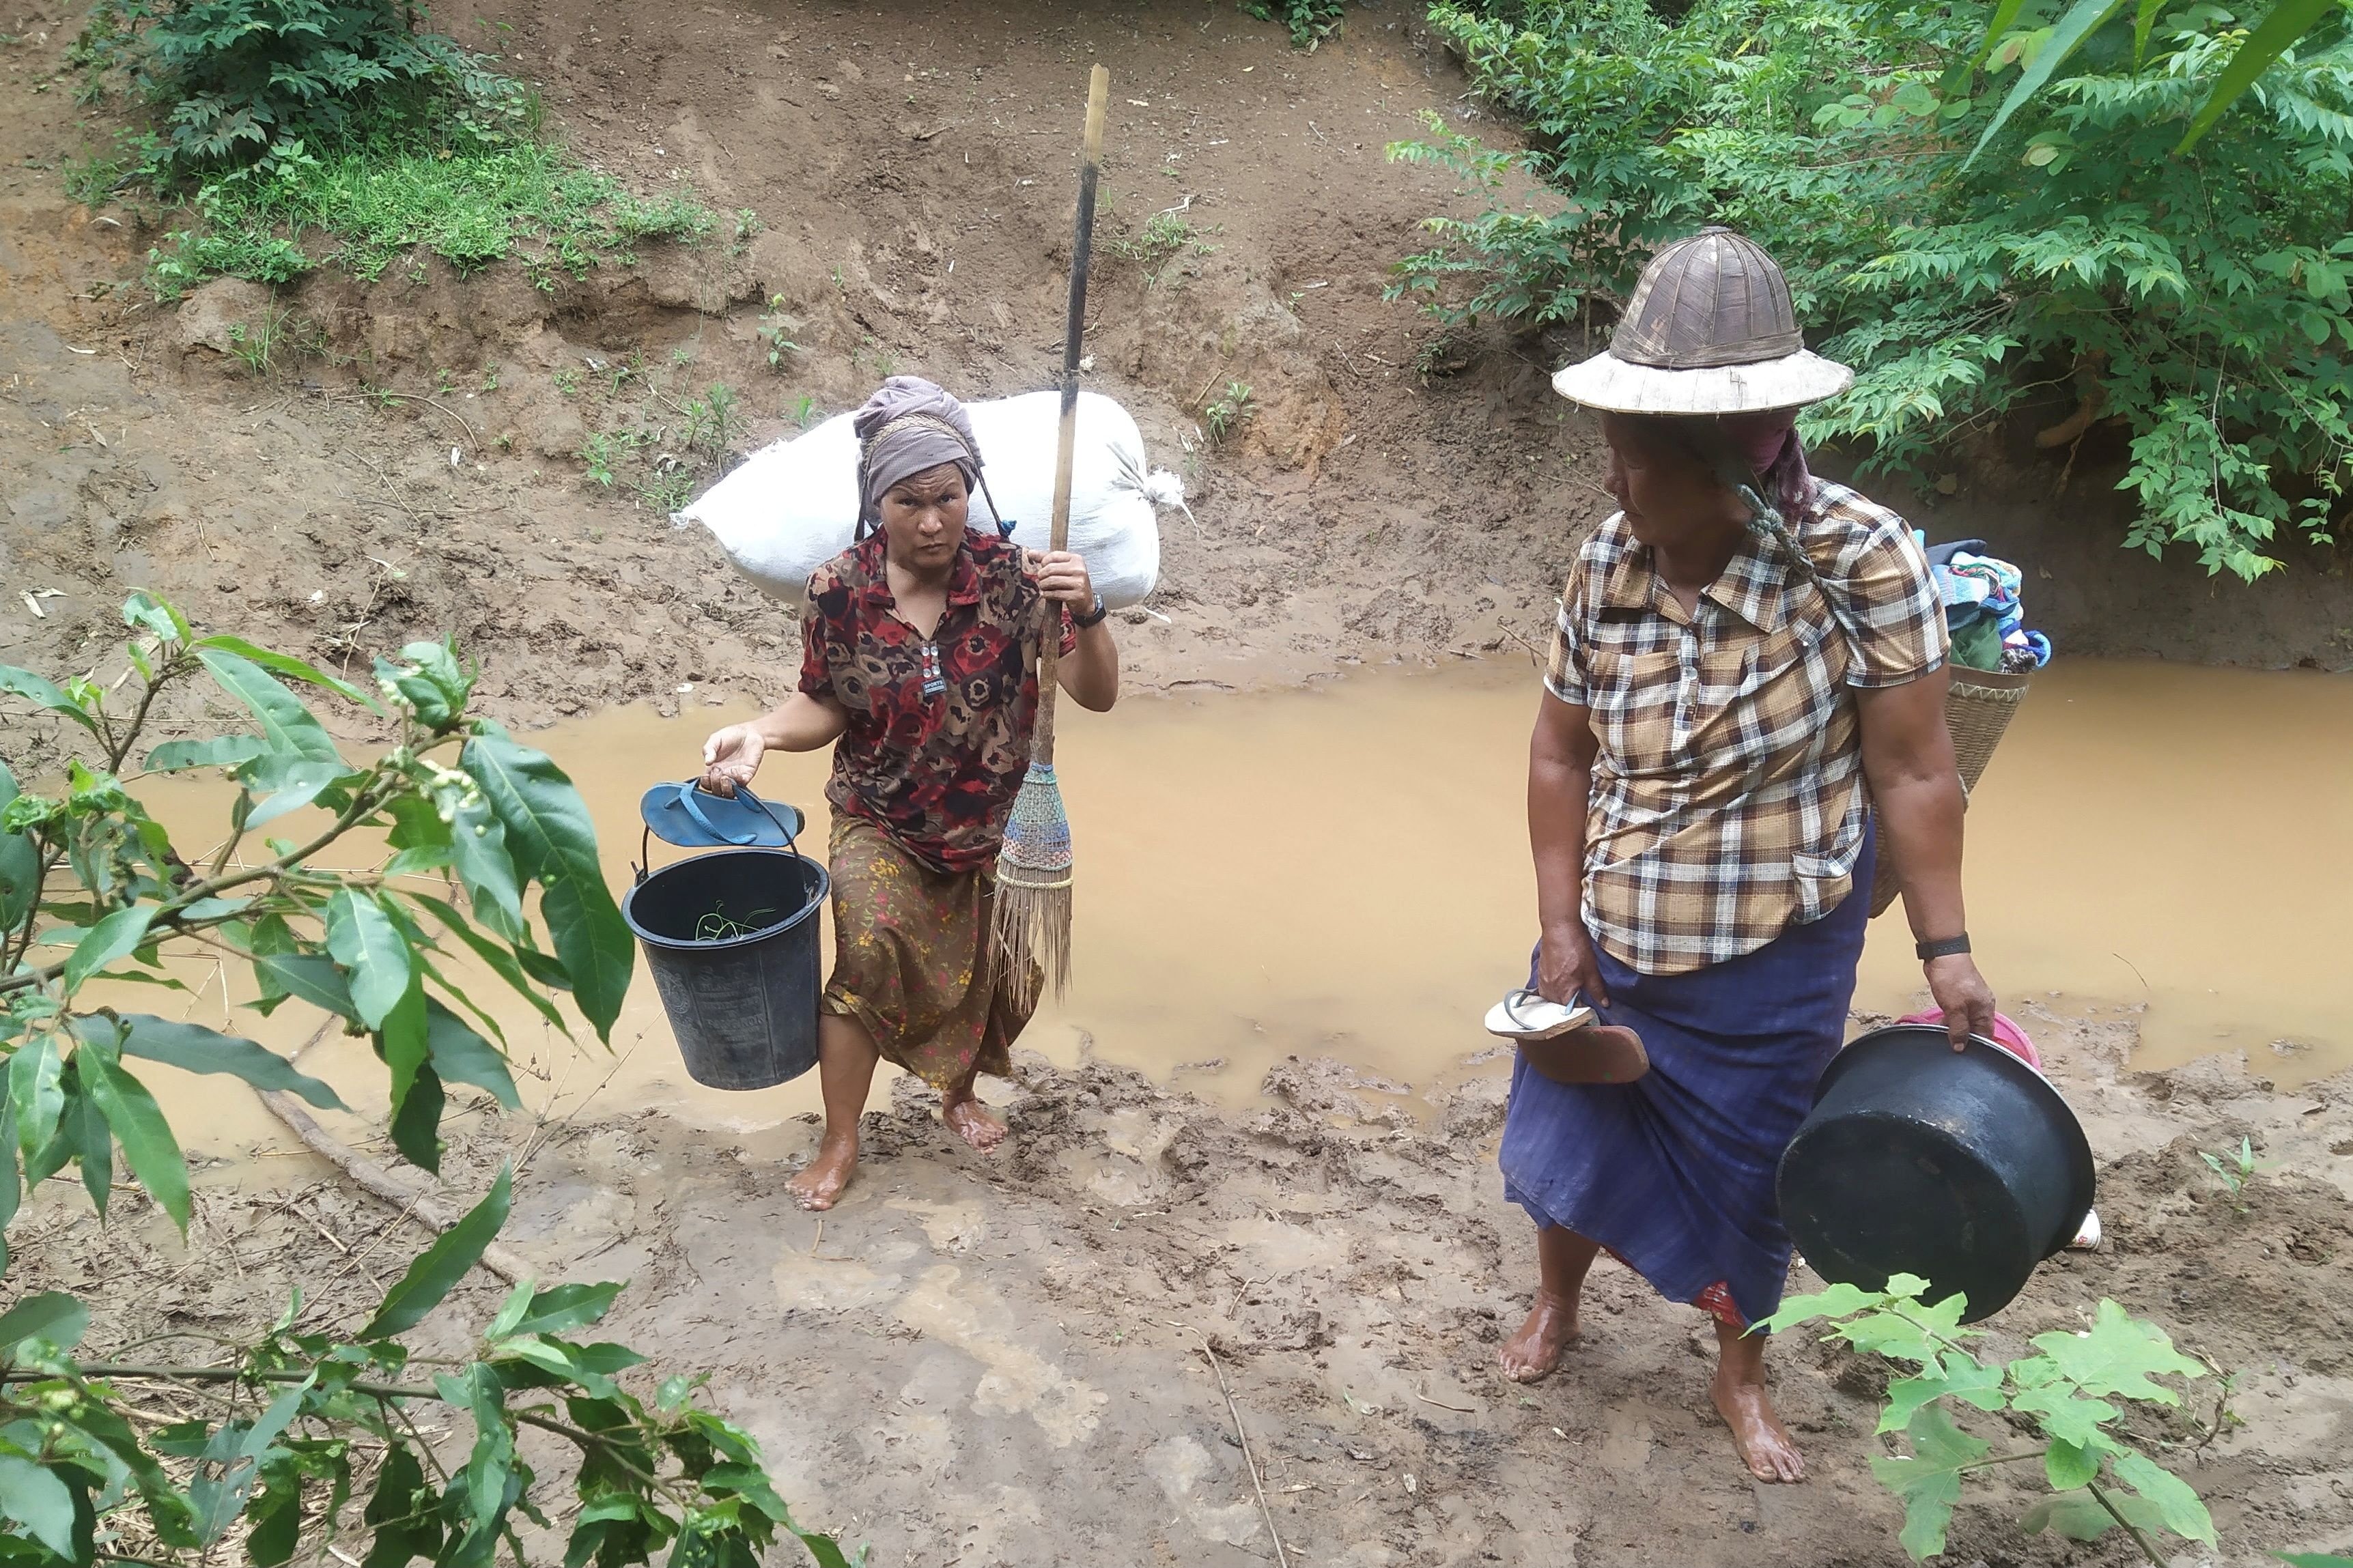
x,y
1728,800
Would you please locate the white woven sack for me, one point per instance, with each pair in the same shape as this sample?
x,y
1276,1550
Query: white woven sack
x,y
792,507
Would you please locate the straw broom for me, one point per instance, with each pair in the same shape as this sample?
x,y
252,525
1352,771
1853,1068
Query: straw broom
x,y
1033,871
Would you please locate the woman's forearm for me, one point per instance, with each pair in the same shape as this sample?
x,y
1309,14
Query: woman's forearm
x,y
801,723
1560,793
1557,796
1907,758
1920,816
1090,672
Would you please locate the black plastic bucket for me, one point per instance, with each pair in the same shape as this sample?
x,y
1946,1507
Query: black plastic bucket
x,y
743,1006
1963,1167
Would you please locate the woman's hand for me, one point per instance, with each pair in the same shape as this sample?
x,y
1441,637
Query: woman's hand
x,y
1062,576
1566,968
1965,997
732,757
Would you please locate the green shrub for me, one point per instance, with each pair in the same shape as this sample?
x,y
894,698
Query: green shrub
x,y
1309,22
266,82
2201,301
372,204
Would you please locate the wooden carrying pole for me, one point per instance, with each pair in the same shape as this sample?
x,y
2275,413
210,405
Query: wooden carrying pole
x,y
1066,440
1032,920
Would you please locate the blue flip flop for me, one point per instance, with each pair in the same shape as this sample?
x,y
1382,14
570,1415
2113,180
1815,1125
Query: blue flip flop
x,y
693,818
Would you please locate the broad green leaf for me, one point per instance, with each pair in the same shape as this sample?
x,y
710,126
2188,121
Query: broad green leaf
x,y
502,962
2078,24
477,846
1962,1376
1839,1302
33,1496
556,1357
2313,1560
233,1462
275,1522
551,840
92,1138
286,724
138,1123
282,782
1928,1483
144,611
36,1096
371,952
219,752
51,1315
44,693
192,1047
2078,1515
2118,1354
400,1513
437,1269
404,1043
291,667
2289,21
20,865
114,937
417,1120
480,1395
310,976
461,1055
2177,1504
1908,1331
561,1307
2065,1415
2069,1464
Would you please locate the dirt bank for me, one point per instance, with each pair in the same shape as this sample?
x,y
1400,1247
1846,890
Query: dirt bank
x,y
998,1361
409,462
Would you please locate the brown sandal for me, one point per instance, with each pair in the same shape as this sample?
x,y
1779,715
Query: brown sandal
x,y
1603,1053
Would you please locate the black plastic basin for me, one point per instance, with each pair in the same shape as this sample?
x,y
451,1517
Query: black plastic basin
x,y
1963,1167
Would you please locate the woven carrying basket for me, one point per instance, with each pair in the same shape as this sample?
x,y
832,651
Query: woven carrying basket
x,y
1978,706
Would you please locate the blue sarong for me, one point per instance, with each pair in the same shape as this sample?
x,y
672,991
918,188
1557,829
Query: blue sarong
x,y
1674,1173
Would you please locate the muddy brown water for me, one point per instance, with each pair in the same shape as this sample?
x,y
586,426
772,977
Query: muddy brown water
x,y
1342,871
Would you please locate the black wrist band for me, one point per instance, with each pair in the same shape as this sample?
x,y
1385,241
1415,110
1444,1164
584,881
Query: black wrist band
x,y
1943,947
1094,617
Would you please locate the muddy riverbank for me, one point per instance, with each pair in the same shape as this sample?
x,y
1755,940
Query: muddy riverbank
x,y
988,1361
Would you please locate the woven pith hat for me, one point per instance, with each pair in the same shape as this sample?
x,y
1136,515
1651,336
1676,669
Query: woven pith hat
x,y
1710,330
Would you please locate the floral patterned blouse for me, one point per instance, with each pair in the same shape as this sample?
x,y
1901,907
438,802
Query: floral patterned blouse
x,y
938,740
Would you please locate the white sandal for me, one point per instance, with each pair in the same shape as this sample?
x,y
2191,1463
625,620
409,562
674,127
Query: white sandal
x,y
1524,1016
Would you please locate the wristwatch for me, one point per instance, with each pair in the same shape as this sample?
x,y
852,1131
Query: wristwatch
x,y
1094,615
1943,947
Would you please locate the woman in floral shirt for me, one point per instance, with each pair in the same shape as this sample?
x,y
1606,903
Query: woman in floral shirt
x,y
921,670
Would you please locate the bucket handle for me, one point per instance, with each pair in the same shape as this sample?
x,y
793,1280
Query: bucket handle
x,y
687,790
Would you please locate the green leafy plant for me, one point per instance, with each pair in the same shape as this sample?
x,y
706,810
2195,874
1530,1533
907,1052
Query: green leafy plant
x,y
1229,411
238,82
710,421
1309,22
2199,306
567,381
806,411
2067,1392
93,889
601,451
2236,1169
774,332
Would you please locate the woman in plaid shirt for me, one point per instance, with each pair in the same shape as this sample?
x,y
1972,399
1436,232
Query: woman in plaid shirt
x,y
1745,702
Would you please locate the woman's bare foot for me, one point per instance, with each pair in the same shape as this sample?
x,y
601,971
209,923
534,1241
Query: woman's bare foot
x,y
819,1185
1765,1445
1535,1351
970,1121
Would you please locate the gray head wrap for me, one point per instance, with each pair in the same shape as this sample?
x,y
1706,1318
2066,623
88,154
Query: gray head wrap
x,y
907,426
